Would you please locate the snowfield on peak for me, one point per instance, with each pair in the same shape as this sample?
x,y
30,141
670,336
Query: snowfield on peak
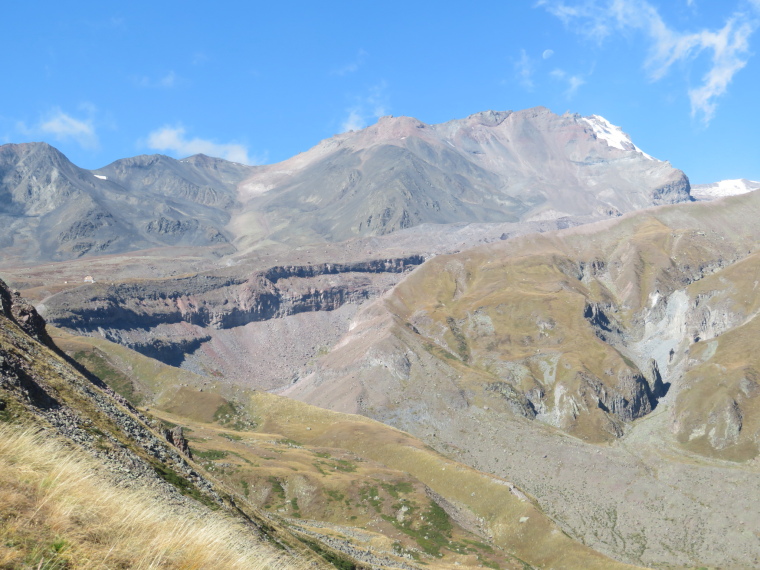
x,y
724,188
612,134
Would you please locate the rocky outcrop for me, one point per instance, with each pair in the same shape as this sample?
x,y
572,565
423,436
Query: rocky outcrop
x,y
171,318
176,437
46,386
219,302
23,313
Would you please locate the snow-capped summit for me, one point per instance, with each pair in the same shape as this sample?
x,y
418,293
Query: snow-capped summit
x,y
612,135
723,188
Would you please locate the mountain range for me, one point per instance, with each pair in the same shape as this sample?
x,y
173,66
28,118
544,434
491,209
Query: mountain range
x,y
517,326
488,168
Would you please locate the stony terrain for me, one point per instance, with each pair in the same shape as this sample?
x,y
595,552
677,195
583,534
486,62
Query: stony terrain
x,y
602,332
492,167
530,295
341,479
42,389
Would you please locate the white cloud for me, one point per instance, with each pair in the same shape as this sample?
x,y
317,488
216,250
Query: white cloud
x,y
63,127
174,140
728,46
199,58
367,108
573,81
547,53
524,70
167,81
354,121
352,67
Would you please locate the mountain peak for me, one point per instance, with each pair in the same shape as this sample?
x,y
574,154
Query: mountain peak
x,y
612,134
19,151
724,188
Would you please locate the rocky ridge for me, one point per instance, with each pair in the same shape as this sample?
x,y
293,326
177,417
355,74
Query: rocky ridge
x,y
489,168
42,388
632,332
173,319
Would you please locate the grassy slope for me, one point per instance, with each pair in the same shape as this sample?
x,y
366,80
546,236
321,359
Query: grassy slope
x,y
58,512
344,491
722,385
63,510
537,540
379,453
516,310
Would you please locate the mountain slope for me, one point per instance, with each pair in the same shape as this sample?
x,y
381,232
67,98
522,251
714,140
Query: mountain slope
x,y
92,445
634,333
53,210
342,476
489,167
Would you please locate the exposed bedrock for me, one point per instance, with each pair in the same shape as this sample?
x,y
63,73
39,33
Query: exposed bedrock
x,y
171,319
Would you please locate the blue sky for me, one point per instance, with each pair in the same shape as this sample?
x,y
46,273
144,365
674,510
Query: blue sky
x,y
259,82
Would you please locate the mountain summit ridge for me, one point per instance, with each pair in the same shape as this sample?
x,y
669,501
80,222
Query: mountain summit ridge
x,y
490,167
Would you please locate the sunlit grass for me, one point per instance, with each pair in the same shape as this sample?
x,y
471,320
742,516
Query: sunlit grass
x,y
58,512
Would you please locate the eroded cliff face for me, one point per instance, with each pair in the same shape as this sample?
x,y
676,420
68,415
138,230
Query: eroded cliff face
x,y
586,330
174,319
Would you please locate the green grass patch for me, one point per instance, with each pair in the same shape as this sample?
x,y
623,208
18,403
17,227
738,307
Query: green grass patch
x,y
395,489
182,485
97,364
479,545
335,465
431,531
334,495
231,436
370,494
225,413
345,466
277,487
210,454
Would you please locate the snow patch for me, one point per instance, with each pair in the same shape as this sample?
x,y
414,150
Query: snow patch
x,y
100,176
612,135
724,188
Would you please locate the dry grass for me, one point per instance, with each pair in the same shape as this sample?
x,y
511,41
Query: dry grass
x,y
539,542
57,512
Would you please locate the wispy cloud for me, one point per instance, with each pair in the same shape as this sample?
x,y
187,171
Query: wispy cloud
x,y
199,58
728,47
524,70
353,122
166,81
352,67
573,82
367,108
547,53
174,140
63,127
